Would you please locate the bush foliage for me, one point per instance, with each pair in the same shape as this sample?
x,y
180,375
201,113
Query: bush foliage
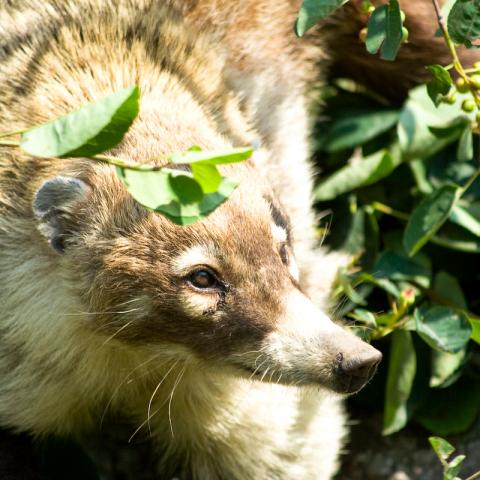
x,y
400,192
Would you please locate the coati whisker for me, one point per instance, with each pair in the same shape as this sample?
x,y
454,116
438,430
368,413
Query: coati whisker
x,y
156,390
123,327
146,362
177,381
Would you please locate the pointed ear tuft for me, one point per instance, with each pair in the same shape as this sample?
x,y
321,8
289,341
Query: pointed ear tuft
x,y
52,202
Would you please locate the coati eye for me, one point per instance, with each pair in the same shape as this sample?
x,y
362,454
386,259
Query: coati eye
x,y
203,278
284,254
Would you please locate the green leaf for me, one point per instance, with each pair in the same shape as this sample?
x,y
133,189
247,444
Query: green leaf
x,y
465,144
401,373
382,283
452,410
312,11
447,287
453,468
454,127
428,217
357,126
440,85
475,323
92,129
211,157
394,34
348,289
376,29
174,193
465,219
445,367
443,328
456,238
364,316
369,170
396,267
207,176
384,31
464,22
419,117
442,448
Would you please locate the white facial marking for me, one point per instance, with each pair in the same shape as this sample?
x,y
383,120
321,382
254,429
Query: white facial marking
x,y
303,319
279,234
197,255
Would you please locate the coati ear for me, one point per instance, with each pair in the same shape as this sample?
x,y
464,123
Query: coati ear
x,y
52,204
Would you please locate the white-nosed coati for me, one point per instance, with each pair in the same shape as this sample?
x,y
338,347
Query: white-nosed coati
x,y
206,336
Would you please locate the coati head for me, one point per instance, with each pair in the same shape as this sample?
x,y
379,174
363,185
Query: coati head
x,y
225,289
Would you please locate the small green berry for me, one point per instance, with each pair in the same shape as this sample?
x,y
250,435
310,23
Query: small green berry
x,y
468,106
476,65
475,79
402,15
462,85
405,34
451,98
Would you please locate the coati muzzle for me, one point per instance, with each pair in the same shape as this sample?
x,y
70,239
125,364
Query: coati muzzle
x,y
307,348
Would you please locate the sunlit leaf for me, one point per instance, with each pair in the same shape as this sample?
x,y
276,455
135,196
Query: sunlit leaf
x,y
445,367
174,193
362,173
461,216
475,323
356,127
91,130
453,468
211,157
417,118
442,448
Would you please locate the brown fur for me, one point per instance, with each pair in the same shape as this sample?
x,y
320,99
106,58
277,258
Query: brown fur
x,y
112,323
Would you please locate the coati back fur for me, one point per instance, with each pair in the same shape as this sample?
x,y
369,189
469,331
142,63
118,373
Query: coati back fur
x,y
104,305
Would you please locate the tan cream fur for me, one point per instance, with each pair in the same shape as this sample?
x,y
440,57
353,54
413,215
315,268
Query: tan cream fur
x,y
73,340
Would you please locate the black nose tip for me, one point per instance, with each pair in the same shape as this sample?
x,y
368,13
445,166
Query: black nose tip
x,y
363,365
358,370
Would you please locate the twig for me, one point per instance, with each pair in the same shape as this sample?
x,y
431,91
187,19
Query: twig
x,y
9,143
453,51
474,476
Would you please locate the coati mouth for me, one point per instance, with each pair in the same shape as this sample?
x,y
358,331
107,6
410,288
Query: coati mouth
x,y
347,377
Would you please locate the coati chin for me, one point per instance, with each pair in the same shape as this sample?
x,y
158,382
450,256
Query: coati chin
x,y
214,339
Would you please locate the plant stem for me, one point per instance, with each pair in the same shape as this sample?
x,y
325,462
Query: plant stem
x,y
118,162
9,143
389,211
12,134
470,181
474,476
453,52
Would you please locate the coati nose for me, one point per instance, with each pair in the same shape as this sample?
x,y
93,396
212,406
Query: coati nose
x,y
357,371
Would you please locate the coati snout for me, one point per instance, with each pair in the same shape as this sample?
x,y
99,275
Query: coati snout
x,y
225,289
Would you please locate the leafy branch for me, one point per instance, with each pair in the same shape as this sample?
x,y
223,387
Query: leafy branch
x,y
182,196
